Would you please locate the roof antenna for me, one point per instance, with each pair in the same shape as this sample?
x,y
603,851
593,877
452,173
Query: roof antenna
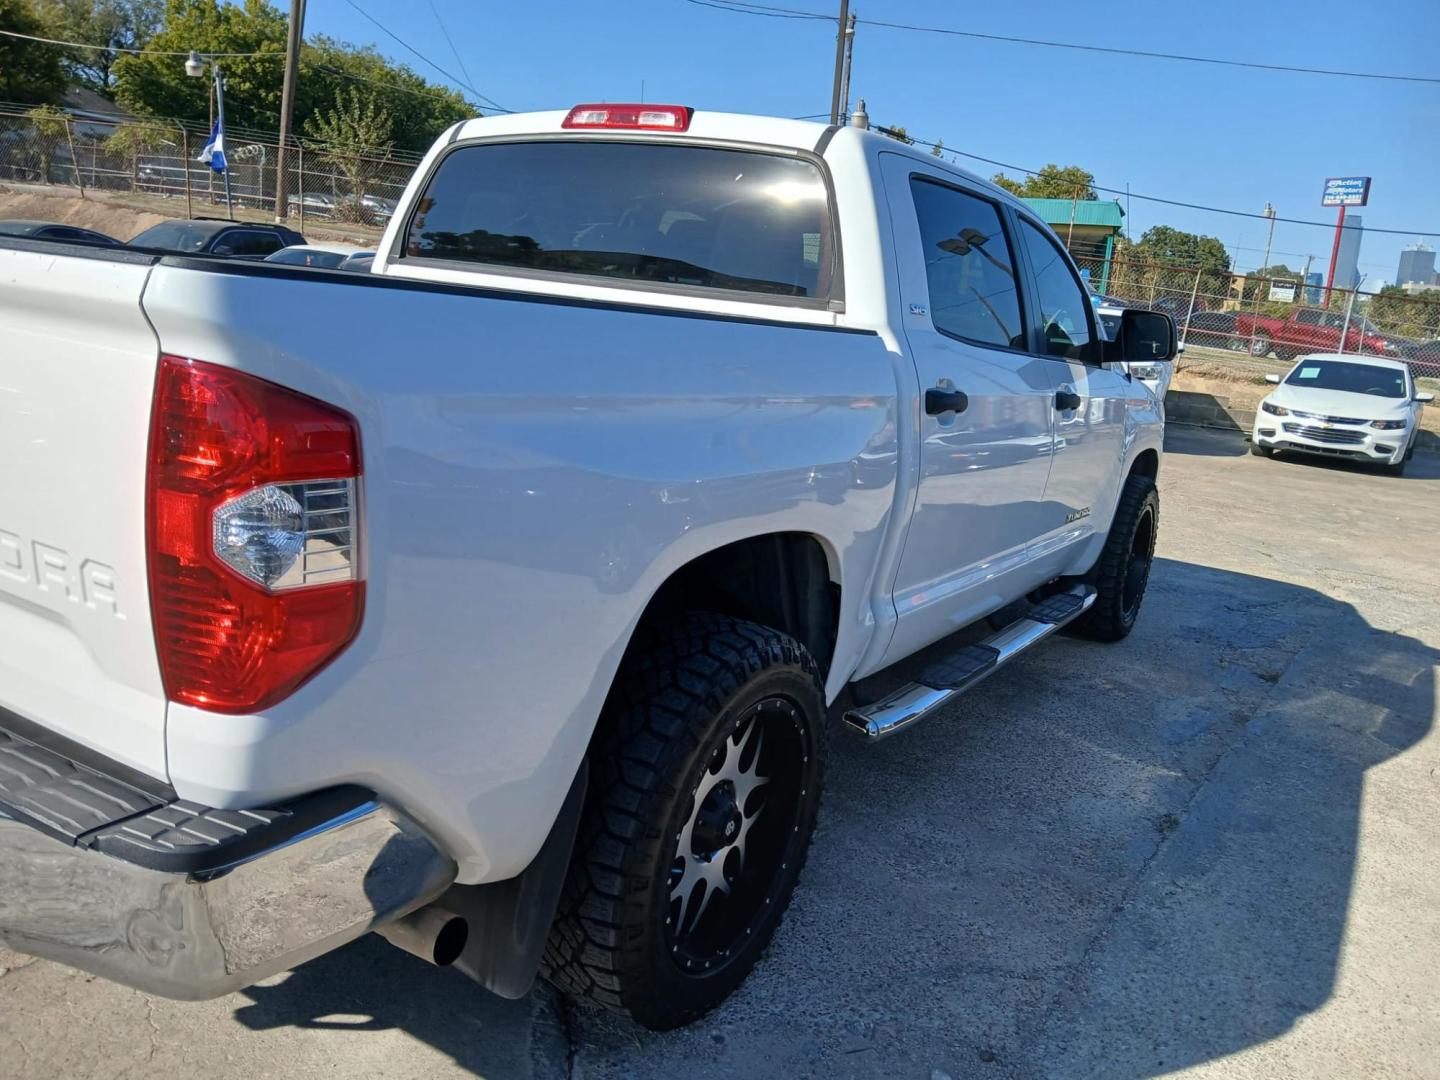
x,y
860,118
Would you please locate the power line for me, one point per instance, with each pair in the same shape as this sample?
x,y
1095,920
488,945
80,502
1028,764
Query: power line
x,y
416,52
796,13
449,40
134,52
331,69
1149,198
759,9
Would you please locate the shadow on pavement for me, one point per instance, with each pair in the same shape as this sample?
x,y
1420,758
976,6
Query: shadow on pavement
x,y
1204,442
372,986
1106,861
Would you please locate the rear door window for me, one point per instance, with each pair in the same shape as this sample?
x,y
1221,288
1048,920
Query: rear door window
x,y
250,242
647,214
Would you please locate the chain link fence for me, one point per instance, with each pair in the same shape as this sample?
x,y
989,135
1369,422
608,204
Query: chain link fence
x,y
324,183
1249,320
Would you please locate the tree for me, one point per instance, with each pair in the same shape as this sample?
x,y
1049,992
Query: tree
x,y
119,24
134,141
328,67
30,73
1164,261
1051,182
898,133
353,135
1395,311
154,85
938,150
51,127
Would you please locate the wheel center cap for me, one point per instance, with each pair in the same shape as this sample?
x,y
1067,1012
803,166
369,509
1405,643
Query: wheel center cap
x,y
718,824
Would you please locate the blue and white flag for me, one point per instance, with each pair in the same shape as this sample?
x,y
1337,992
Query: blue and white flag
x,y
214,152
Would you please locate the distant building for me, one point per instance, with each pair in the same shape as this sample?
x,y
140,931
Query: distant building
x,y
1088,227
1417,263
1415,288
1314,286
1347,265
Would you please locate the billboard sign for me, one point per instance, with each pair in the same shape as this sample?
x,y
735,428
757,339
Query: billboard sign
x,y
1346,191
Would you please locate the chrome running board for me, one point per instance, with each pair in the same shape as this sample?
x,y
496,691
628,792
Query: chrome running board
x,y
968,666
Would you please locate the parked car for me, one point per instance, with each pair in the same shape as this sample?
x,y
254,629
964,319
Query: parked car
x,y
494,600
53,230
316,203
321,256
1214,329
1177,306
1156,375
361,262
209,236
1308,330
1359,407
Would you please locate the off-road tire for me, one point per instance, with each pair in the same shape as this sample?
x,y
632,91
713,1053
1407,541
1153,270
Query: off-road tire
x,y
680,696
1133,532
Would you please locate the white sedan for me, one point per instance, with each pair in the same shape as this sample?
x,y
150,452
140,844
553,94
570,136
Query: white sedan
x,y
1359,407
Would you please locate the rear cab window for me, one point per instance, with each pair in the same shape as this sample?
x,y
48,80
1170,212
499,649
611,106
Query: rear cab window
x,y
753,224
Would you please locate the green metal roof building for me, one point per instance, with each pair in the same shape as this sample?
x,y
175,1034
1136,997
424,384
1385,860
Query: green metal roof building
x,y
1088,227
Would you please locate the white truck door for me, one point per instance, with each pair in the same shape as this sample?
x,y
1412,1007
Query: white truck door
x,y
985,415
1089,402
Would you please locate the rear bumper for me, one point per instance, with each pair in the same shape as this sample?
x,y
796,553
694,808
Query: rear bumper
x,y
189,903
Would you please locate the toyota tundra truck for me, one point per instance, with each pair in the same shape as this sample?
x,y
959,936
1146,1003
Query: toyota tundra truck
x,y
498,600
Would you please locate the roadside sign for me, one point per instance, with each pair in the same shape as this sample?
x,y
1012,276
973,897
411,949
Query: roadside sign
x,y
1282,292
1346,191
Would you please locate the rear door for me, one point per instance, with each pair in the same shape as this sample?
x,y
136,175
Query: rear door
x,y
1087,401
984,455
77,369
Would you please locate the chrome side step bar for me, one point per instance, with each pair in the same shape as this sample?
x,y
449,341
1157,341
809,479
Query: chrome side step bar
x,y
951,676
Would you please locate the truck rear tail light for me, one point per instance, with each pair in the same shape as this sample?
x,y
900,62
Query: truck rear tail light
x,y
642,117
253,535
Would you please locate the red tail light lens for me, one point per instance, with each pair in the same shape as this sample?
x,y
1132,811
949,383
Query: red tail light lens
x,y
253,536
640,117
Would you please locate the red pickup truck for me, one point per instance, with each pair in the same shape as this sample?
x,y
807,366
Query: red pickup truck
x,y
1308,330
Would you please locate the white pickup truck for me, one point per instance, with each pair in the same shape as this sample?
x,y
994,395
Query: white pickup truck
x,y
496,600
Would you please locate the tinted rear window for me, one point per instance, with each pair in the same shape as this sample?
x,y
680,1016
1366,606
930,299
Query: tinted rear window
x,y
641,212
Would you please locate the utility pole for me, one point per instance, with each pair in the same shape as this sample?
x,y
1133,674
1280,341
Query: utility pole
x,y
849,60
294,35
839,61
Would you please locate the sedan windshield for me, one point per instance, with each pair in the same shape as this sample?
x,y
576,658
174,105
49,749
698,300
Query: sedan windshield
x,y
1348,378
175,236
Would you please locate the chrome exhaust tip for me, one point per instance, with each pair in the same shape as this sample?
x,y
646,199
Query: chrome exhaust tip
x,y
433,934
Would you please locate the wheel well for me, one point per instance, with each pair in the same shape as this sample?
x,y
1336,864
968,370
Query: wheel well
x,y
1147,463
781,580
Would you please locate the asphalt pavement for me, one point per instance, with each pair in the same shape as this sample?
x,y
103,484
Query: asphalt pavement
x,y
1211,848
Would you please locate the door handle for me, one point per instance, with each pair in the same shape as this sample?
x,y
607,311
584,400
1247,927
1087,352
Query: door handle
x,y
938,401
1066,400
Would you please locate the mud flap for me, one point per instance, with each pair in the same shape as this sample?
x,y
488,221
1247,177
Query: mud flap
x,y
510,920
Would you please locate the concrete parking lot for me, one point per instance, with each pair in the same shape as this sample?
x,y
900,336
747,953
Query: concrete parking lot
x,y
1210,848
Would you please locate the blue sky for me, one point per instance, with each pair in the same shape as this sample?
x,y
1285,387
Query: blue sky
x,y
1226,137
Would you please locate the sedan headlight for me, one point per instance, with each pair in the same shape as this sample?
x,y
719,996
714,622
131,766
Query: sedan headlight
x,y
1388,425
1274,410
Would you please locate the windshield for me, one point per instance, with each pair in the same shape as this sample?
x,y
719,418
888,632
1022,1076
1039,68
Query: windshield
x,y
296,256
679,215
175,236
1348,378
